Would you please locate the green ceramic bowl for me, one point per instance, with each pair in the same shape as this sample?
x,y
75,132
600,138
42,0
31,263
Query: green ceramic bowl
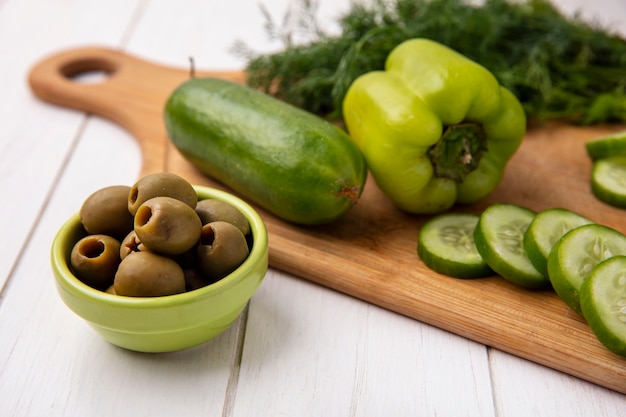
x,y
170,323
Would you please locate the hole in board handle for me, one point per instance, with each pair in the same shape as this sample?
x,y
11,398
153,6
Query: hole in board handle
x,y
88,70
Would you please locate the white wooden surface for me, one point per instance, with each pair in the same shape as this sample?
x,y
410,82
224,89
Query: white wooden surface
x,y
300,349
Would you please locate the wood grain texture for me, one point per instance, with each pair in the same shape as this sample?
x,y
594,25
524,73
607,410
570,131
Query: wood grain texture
x,y
371,252
367,361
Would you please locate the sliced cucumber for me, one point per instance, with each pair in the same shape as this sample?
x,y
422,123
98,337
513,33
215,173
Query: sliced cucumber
x,y
603,303
446,245
499,237
545,230
608,180
575,255
606,146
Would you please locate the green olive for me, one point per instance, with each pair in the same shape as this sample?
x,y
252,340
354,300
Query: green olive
x,y
106,212
168,226
211,210
147,274
186,260
94,260
131,243
162,184
221,249
194,279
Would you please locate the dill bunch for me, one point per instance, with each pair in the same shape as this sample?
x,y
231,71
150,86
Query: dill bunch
x,y
559,67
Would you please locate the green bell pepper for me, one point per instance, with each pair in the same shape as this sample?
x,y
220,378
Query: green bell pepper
x,y
435,127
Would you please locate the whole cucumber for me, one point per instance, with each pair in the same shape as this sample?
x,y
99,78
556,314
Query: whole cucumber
x,y
294,164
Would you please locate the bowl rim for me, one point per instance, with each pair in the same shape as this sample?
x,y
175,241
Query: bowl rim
x,y
65,277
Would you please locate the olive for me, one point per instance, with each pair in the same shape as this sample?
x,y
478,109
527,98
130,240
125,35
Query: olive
x,y
186,260
94,260
162,184
221,249
194,279
147,274
106,212
167,225
211,210
131,243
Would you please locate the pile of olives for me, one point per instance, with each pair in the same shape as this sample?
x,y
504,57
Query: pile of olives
x,y
156,238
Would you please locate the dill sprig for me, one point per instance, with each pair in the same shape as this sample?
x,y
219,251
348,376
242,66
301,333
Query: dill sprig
x,y
559,67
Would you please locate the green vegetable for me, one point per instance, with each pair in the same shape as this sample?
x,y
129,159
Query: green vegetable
x,y
608,174
586,261
435,127
499,237
608,180
545,230
605,146
446,245
559,67
294,164
603,303
576,254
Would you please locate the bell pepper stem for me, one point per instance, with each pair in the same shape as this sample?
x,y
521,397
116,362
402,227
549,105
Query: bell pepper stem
x,y
458,151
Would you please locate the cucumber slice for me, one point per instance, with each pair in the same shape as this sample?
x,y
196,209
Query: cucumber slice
x,y
446,245
499,237
545,230
603,303
606,146
575,255
608,180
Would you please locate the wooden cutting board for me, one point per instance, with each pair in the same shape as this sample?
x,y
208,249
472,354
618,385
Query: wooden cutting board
x,y
371,252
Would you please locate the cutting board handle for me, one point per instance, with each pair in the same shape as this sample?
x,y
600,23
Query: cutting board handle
x,y
129,81
55,78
